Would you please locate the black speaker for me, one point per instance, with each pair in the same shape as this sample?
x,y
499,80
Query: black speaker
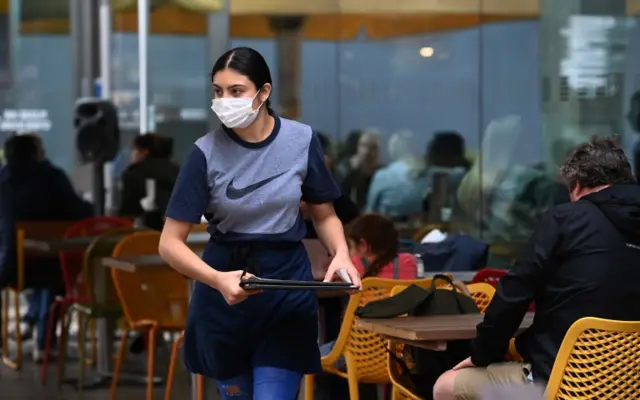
x,y
97,129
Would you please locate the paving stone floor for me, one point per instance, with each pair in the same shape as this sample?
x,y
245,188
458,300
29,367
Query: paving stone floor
x,y
25,384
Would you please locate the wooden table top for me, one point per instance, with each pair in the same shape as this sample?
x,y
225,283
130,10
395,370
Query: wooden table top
x,y
430,329
54,245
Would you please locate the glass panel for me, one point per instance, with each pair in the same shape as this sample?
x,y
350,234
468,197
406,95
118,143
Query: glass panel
x,y
36,77
178,82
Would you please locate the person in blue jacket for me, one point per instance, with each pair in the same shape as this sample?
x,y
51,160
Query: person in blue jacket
x,y
248,177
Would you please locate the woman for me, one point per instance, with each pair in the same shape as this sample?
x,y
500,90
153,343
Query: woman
x,y
373,242
249,176
150,160
356,172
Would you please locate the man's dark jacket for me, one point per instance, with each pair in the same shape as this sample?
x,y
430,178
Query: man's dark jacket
x,y
582,261
41,192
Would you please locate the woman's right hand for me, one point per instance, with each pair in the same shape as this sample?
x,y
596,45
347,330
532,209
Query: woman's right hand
x,y
228,283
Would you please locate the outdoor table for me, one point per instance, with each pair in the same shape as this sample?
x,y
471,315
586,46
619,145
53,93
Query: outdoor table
x,y
430,332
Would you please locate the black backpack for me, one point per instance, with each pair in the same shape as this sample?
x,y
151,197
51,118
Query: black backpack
x,y
416,301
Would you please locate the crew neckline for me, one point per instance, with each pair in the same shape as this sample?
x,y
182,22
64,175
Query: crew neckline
x,y
255,145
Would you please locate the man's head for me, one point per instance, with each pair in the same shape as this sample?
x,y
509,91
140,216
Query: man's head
x,y
22,150
38,140
595,165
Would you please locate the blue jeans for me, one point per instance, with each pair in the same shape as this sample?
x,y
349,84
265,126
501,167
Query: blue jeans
x,y
264,383
38,314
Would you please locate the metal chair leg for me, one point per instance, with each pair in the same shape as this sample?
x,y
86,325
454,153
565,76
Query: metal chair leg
x,y
122,352
55,307
64,344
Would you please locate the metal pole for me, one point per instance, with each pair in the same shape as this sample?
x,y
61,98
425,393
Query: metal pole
x,y
106,30
105,48
143,44
13,48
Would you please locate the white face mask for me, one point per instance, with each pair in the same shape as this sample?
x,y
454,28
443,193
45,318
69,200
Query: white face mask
x,y
235,112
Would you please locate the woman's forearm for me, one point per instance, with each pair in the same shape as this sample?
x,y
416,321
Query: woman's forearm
x,y
331,233
181,258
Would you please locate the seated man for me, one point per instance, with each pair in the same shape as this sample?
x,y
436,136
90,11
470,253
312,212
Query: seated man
x,y
582,261
33,189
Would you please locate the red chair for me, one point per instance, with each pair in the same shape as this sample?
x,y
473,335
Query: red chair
x,y
492,277
72,263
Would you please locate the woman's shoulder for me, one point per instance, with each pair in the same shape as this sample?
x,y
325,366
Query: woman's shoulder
x,y
289,126
406,259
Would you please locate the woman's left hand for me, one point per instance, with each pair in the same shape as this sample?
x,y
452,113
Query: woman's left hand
x,y
343,262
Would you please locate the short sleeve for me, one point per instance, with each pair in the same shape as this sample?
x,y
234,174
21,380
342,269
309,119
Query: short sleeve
x,y
319,186
190,196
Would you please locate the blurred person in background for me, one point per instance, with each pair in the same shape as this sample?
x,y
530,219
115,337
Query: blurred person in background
x,y
398,189
633,117
150,161
499,196
33,189
354,173
445,155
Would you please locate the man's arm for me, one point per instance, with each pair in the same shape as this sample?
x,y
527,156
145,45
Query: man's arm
x,y
515,293
70,205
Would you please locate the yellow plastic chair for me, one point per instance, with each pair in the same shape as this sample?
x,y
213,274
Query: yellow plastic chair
x,y
153,299
25,230
598,359
482,293
402,385
364,351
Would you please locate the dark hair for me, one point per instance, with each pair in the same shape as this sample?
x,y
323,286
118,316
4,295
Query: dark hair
x,y
158,146
447,149
597,163
162,146
23,150
350,146
144,142
381,236
248,62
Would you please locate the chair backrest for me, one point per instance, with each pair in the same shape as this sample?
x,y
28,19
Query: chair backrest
x,y
365,348
101,247
482,293
35,230
598,359
151,293
490,276
72,262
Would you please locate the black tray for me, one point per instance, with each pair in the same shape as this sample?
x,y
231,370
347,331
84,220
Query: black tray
x,y
278,284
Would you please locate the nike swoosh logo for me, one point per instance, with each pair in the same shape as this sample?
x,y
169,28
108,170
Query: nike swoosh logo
x,y
238,193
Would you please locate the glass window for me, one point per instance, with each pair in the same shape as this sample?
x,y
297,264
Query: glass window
x,y
450,114
36,87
